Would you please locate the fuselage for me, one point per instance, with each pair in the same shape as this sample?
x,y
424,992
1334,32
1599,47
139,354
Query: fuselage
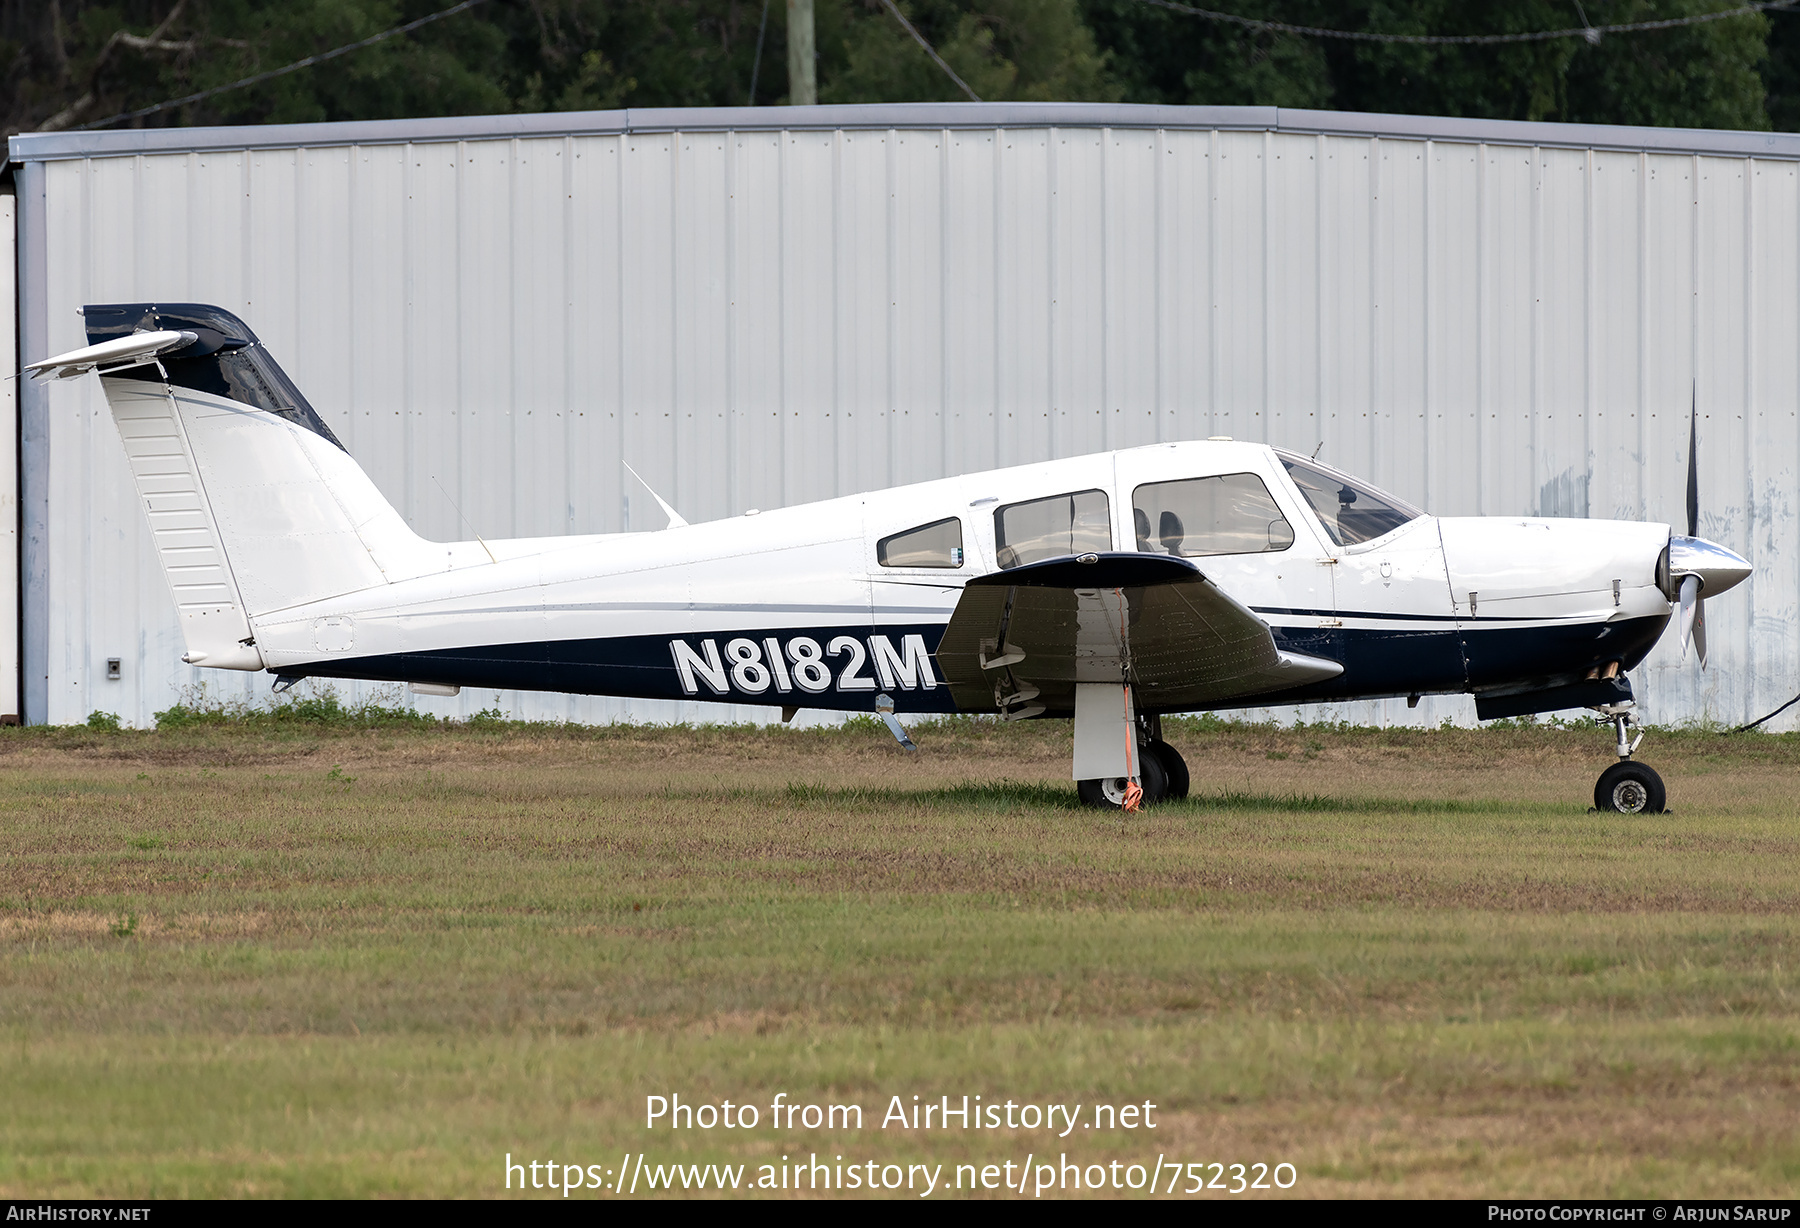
x,y
1280,580
827,605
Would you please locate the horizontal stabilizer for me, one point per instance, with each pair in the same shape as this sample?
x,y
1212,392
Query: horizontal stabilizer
x,y
113,355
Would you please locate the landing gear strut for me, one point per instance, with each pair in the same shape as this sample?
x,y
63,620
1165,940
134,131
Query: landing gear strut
x,y
1162,772
1627,787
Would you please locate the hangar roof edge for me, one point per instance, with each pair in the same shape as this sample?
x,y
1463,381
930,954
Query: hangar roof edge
x,y
60,146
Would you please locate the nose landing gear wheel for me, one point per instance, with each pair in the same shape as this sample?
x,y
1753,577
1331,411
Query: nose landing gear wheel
x,y
1108,793
1629,787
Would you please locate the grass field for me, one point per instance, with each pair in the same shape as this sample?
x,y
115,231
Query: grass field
x,y
282,958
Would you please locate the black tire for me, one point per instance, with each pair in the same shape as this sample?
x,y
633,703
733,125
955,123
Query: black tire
x,y
1109,794
1174,767
1630,788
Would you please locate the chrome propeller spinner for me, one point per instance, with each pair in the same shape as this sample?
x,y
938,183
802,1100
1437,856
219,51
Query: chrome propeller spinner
x,y
1701,568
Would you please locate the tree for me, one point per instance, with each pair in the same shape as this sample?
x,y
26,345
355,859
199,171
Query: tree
x,y
1704,75
1160,56
74,61
1034,50
1781,73
69,62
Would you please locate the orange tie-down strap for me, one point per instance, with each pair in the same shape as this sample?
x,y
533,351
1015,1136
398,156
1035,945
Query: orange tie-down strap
x,y
1134,792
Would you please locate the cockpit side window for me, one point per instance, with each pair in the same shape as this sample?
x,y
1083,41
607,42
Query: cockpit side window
x,y
938,544
1231,513
1351,511
1052,528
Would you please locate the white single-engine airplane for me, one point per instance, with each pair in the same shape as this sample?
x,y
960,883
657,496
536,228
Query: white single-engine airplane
x,y
1113,588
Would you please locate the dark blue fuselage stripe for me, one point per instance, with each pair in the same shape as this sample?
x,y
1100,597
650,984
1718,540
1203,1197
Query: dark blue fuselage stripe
x,y
644,667
1377,662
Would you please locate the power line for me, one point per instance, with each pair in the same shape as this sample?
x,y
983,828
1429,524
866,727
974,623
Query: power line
x,y
1590,33
756,65
930,51
296,66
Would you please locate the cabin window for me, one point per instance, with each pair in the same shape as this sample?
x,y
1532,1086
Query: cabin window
x,y
1053,528
1351,511
1229,514
938,544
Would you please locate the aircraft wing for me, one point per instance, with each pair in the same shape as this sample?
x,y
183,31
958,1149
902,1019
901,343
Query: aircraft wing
x,y
1023,638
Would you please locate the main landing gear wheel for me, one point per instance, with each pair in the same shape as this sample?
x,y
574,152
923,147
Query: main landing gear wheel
x,y
1174,767
1628,787
1108,793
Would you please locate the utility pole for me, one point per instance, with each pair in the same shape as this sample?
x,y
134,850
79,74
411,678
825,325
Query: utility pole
x,y
803,87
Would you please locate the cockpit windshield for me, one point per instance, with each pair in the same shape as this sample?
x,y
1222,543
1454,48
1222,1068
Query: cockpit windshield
x,y
1351,511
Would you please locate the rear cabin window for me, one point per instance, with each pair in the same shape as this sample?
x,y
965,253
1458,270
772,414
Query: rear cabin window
x,y
1232,513
1053,528
938,544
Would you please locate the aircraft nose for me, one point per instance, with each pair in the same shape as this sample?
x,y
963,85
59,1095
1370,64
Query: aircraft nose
x,y
1717,567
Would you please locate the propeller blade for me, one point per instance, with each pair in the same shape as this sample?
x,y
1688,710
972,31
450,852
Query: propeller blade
x,y
1693,490
1690,609
1700,630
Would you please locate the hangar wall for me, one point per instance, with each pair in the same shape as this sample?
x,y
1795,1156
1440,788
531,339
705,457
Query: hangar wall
x,y
757,308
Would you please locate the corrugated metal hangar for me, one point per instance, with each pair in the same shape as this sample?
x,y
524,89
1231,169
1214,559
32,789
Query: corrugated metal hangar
x,y
761,307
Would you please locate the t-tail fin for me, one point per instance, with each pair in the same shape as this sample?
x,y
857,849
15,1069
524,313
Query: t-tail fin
x,y
253,504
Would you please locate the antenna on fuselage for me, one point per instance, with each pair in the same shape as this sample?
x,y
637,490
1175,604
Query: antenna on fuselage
x,y
463,518
1318,449
675,517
